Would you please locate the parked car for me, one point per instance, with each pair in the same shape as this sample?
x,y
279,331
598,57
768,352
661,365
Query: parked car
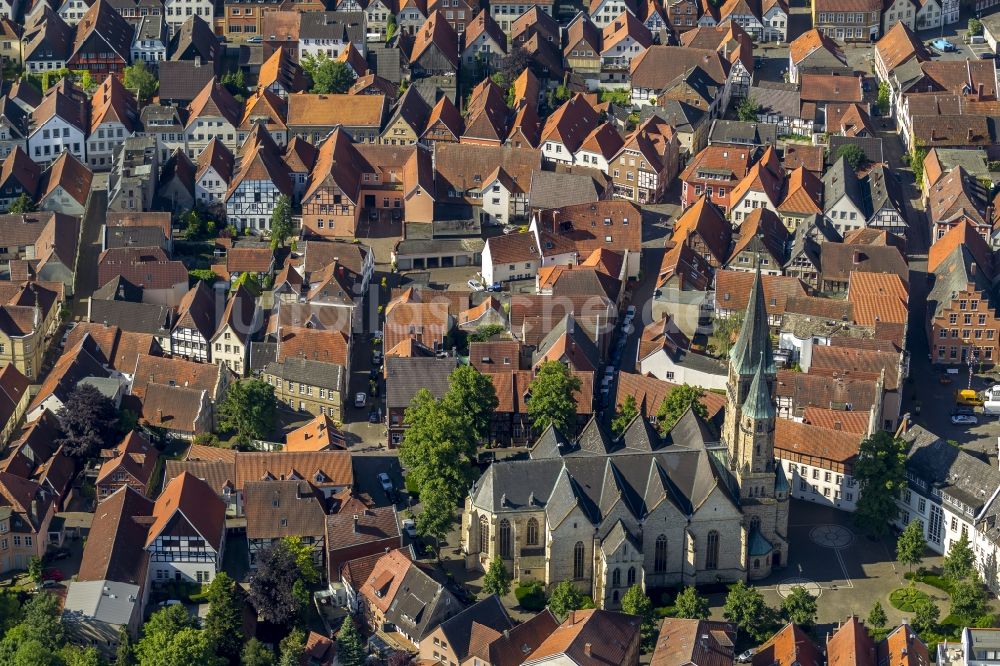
x,y
510,229
52,574
942,44
987,55
360,399
496,286
409,527
373,416
963,419
170,602
69,329
475,285
256,39
385,482
746,657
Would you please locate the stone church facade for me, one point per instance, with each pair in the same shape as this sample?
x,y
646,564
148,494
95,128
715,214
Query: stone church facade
x,y
680,509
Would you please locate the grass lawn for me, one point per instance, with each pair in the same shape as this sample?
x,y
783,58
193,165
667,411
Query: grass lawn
x,y
932,579
531,596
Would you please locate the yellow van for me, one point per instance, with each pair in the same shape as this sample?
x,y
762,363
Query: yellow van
x,y
968,397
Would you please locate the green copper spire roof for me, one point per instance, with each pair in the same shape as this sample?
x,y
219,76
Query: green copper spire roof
x,y
758,404
753,344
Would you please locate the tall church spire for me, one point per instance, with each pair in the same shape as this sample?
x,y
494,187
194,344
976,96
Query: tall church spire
x,y
759,405
753,346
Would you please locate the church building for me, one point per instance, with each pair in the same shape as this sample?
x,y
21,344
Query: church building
x,y
690,507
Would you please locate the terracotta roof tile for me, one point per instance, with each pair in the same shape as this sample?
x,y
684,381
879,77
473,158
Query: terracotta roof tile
x,y
71,175
322,469
198,504
115,547
732,291
845,362
610,636
837,419
878,297
789,646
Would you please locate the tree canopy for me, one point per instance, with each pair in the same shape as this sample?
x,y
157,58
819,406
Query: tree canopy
x,y
138,77
22,204
551,401
880,471
960,561
690,605
799,607
566,597
497,580
89,421
626,413
224,623
281,221
853,155
745,607
350,651
170,637
271,592
328,75
249,409
472,397
747,109
676,403
910,545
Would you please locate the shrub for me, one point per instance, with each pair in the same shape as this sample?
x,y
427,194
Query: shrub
x,y
907,599
531,596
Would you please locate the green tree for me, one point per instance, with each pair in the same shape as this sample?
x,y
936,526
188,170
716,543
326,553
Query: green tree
x,y
877,619
272,590
626,413
125,654
350,650
472,398
968,599
38,632
235,83
171,638
300,592
35,569
249,281
292,647
959,562
484,333
745,608
853,155
281,221
74,655
635,602
910,545
925,615
725,330
304,555
22,204
391,27
799,607
328,75
249,409
196,275
437,446
437,512
691,605
256,653
139,78
880,470
196,226
224,623
496,581
884,95
975,27
566,597
10,611
917,155
551,401
747,109
676,403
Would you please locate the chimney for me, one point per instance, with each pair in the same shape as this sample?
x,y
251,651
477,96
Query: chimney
x,y
197,61
159,415
980,91
972,269
970,134
356,519
587,651
857,257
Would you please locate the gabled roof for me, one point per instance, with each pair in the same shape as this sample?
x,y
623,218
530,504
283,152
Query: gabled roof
x,y
320,434
658,65
789,647
189,498
218,157
197,310
812,42
850,645
102,19
588,636
113,103
684,642
436,32
282,71
604,140
412,109
878,297
71,175
214,101
115,545
446,113
260,160
966,235
20,171
623,27
705,219
195,39
134,455
484,23
571,123
898,45
65,102
830,88
805,192
486,117
958,195
264,108
840,181
762,231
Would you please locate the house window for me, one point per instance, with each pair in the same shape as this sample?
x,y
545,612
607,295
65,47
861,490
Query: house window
x,y
578,560
484,534
660,554
630,580
532,532
712,551
505,544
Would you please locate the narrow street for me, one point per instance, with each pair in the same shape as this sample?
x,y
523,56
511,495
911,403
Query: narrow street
x,y
90,249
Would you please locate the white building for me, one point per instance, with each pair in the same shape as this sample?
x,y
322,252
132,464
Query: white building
x,y
178,11
951,493
665,352
258,182
59,126
215,169
150,41
188,535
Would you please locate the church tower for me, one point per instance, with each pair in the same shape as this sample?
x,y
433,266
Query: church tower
x,y
748,433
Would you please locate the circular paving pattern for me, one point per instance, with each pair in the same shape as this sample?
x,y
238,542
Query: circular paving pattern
x,y
785,589
831,536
